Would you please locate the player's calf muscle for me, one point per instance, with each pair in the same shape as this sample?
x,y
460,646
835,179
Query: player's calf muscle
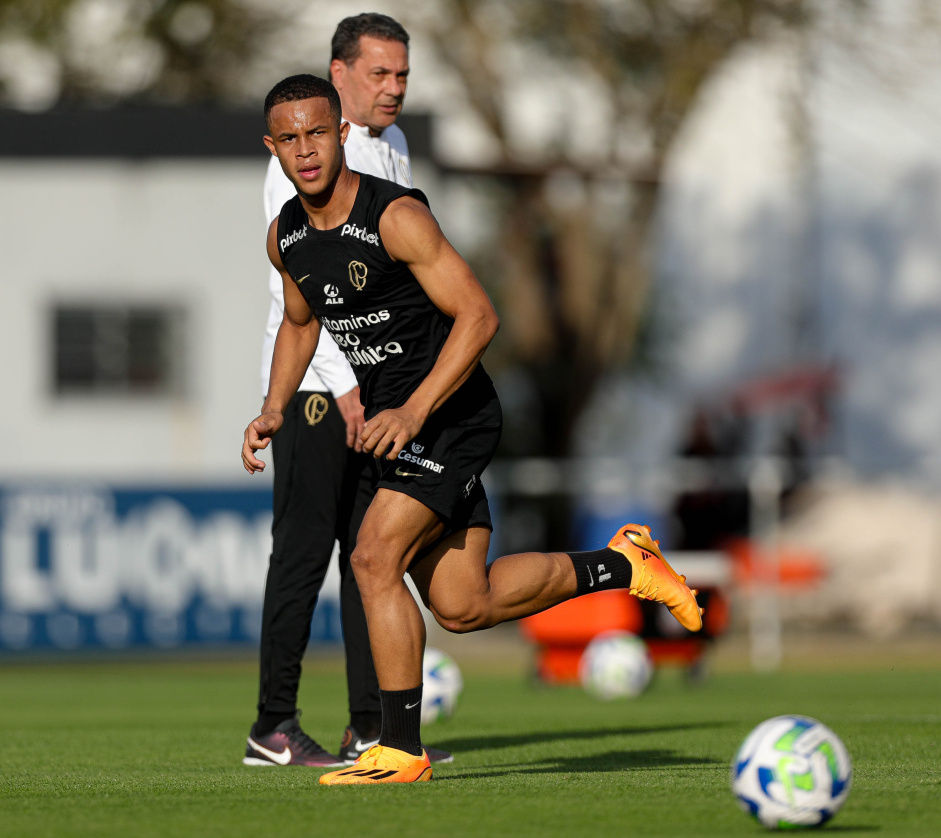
x,y
463,616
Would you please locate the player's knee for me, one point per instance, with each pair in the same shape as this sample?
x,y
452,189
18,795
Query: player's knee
x,y
368,568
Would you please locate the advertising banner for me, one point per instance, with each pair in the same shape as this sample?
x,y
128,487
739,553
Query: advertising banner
x,y
85,566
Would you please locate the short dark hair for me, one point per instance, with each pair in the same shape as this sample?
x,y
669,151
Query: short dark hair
x,y
345,43
304,86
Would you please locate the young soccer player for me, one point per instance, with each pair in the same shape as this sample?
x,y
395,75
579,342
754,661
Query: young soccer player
x,y
366,259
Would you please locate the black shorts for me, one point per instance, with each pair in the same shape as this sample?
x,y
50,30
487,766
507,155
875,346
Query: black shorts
x,y
441,467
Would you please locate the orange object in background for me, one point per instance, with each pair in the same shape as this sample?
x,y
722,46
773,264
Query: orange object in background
x,y
795,568
562,633
576,622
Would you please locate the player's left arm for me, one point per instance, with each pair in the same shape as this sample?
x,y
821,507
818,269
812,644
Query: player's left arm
x,y
411,235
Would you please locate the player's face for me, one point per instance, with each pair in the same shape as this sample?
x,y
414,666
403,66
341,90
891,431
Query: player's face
x,y
372,88
308,141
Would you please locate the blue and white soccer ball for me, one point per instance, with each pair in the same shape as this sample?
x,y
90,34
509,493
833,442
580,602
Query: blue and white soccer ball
x,y
616,664
442,686
792,771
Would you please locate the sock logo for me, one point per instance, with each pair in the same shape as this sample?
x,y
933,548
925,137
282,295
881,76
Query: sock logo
x,y
412,706
602,577
591,579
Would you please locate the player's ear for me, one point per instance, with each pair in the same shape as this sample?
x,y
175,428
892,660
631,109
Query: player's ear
x,y
344,131
270,143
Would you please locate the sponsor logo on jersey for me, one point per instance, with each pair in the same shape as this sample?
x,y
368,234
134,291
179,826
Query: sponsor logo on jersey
x,y
371,355
416,448
356,321
359,233
419,461
358,273
292,238
333,294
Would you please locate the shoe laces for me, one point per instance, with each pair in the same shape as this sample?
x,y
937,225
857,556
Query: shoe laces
x,y
644,588
378,753
372,755
301,740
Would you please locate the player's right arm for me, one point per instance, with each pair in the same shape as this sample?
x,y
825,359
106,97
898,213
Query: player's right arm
x,y
293,349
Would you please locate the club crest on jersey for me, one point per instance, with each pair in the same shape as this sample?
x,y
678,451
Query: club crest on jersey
x,y
359,233
333,294
358,273
293,238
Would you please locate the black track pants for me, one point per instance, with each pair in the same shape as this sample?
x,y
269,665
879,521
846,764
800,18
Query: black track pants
x,y
321,491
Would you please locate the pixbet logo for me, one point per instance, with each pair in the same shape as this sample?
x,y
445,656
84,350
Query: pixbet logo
x,y
359,233
291,238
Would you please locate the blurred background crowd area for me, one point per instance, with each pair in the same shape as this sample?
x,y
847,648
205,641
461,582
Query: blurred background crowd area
x,y
711,229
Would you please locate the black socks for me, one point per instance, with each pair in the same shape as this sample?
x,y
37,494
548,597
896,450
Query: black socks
x,y
366,725
601,570
401,719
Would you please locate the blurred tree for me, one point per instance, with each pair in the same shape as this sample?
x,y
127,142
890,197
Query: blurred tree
x,y
170,51
576,270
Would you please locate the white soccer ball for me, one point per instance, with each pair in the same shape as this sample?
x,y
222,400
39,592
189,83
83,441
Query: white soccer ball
x,y
615,664
442,686
792,771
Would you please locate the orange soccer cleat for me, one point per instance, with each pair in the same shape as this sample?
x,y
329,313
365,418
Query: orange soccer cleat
x,y
653,578
381,764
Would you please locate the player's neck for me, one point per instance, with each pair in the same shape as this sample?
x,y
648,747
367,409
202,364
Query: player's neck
x,y
332,207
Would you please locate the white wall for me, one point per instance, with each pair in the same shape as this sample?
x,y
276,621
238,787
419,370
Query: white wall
x,y
189,233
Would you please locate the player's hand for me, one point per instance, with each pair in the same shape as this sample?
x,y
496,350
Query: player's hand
x,y
351,409
389,431
257,436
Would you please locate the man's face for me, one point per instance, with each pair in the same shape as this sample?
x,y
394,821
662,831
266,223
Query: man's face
x,y
308,141
372,88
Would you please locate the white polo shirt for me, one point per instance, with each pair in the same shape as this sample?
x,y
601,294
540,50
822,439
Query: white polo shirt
x,y
385,156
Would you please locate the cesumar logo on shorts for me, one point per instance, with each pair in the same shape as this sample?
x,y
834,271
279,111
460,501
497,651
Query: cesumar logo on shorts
x,y
292,238
417,448
419,461
333,294
359,233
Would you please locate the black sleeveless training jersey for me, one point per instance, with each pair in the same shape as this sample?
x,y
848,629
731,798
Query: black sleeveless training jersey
x,y
373,306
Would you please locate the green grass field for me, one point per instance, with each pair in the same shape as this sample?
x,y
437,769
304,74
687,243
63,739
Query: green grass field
x,y
154,749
